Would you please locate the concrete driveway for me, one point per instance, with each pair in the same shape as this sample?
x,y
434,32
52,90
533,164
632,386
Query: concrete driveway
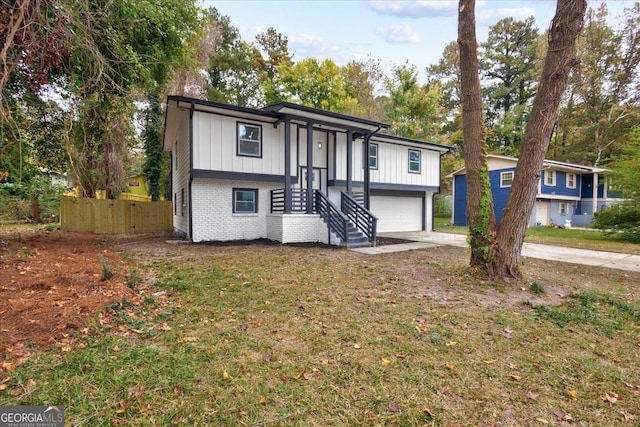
x,y
425,239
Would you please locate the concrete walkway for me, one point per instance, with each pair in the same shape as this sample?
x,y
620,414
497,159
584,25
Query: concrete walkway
x,y
426,239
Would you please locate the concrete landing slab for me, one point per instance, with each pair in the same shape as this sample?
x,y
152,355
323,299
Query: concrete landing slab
x,y
400,247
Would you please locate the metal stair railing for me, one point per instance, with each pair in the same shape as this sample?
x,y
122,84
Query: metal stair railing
x,y
336,220
361,218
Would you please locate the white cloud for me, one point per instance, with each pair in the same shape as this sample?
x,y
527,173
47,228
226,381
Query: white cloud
x,y
303,45
398,34
415,8
491,16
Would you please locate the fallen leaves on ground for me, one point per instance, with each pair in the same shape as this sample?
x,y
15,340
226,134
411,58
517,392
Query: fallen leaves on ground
x,y
561,416
611,397
394,408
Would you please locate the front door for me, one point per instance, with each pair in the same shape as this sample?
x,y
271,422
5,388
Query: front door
x,y
318,179
543,210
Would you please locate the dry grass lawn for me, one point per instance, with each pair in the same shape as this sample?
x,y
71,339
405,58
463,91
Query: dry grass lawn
x,y
272,335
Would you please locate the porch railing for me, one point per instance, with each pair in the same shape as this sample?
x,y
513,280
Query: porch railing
x,y
337,222
358,197
364,221
298,200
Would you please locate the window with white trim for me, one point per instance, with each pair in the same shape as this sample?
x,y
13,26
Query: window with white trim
x,y
249,140
373,156
571,180
563,208
506,179
245,200
550,178
414,161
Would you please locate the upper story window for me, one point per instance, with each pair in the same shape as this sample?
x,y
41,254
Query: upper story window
x,y
506,179
550,178
414,161
571,180
249,140
245,200
373,156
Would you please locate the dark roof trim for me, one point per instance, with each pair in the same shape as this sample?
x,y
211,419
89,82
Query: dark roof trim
x,y
279,106
213,104
414,141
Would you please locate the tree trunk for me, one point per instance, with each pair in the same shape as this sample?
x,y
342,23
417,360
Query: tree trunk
x,y
35,207
480,212
565,27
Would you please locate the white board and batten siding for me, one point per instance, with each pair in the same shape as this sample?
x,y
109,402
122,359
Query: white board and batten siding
x,y
319,153
393,164
180,173
215,146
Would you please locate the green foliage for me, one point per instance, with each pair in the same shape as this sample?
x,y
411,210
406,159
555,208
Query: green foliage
x,y
313,83
152,138
510,63
603,92
107,268
605,313
233,78
480,236
414,110
363,80
18,200
621,220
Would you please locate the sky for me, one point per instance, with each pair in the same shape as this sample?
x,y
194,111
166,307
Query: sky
x,y
391,31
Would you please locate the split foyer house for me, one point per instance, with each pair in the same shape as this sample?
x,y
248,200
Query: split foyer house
x,y
568,194
292,173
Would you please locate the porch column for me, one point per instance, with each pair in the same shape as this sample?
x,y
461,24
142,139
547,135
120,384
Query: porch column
x,y
595,193
349,162
367,190
309,167
287,166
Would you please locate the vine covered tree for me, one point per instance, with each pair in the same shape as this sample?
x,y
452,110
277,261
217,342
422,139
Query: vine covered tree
x,y
497,249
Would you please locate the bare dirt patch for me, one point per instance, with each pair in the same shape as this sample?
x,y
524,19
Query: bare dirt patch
x,y
51,284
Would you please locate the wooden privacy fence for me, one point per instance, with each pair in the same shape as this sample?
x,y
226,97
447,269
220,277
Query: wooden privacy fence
x,y
115,216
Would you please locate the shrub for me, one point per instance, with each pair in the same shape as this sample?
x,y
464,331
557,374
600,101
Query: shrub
x,y
622,219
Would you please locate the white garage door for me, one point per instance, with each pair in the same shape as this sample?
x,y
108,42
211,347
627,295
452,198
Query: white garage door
x,y
397,213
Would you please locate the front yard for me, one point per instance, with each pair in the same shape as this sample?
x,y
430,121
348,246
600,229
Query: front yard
x,y
272,335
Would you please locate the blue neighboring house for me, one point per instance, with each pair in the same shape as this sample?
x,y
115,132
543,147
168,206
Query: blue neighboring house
x,y
565,192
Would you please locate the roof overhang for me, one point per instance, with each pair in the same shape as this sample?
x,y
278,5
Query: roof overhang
x,y
325,119
547,164
393,139
179,108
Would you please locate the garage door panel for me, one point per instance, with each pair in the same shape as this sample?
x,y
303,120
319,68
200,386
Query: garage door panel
x,y
397,213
